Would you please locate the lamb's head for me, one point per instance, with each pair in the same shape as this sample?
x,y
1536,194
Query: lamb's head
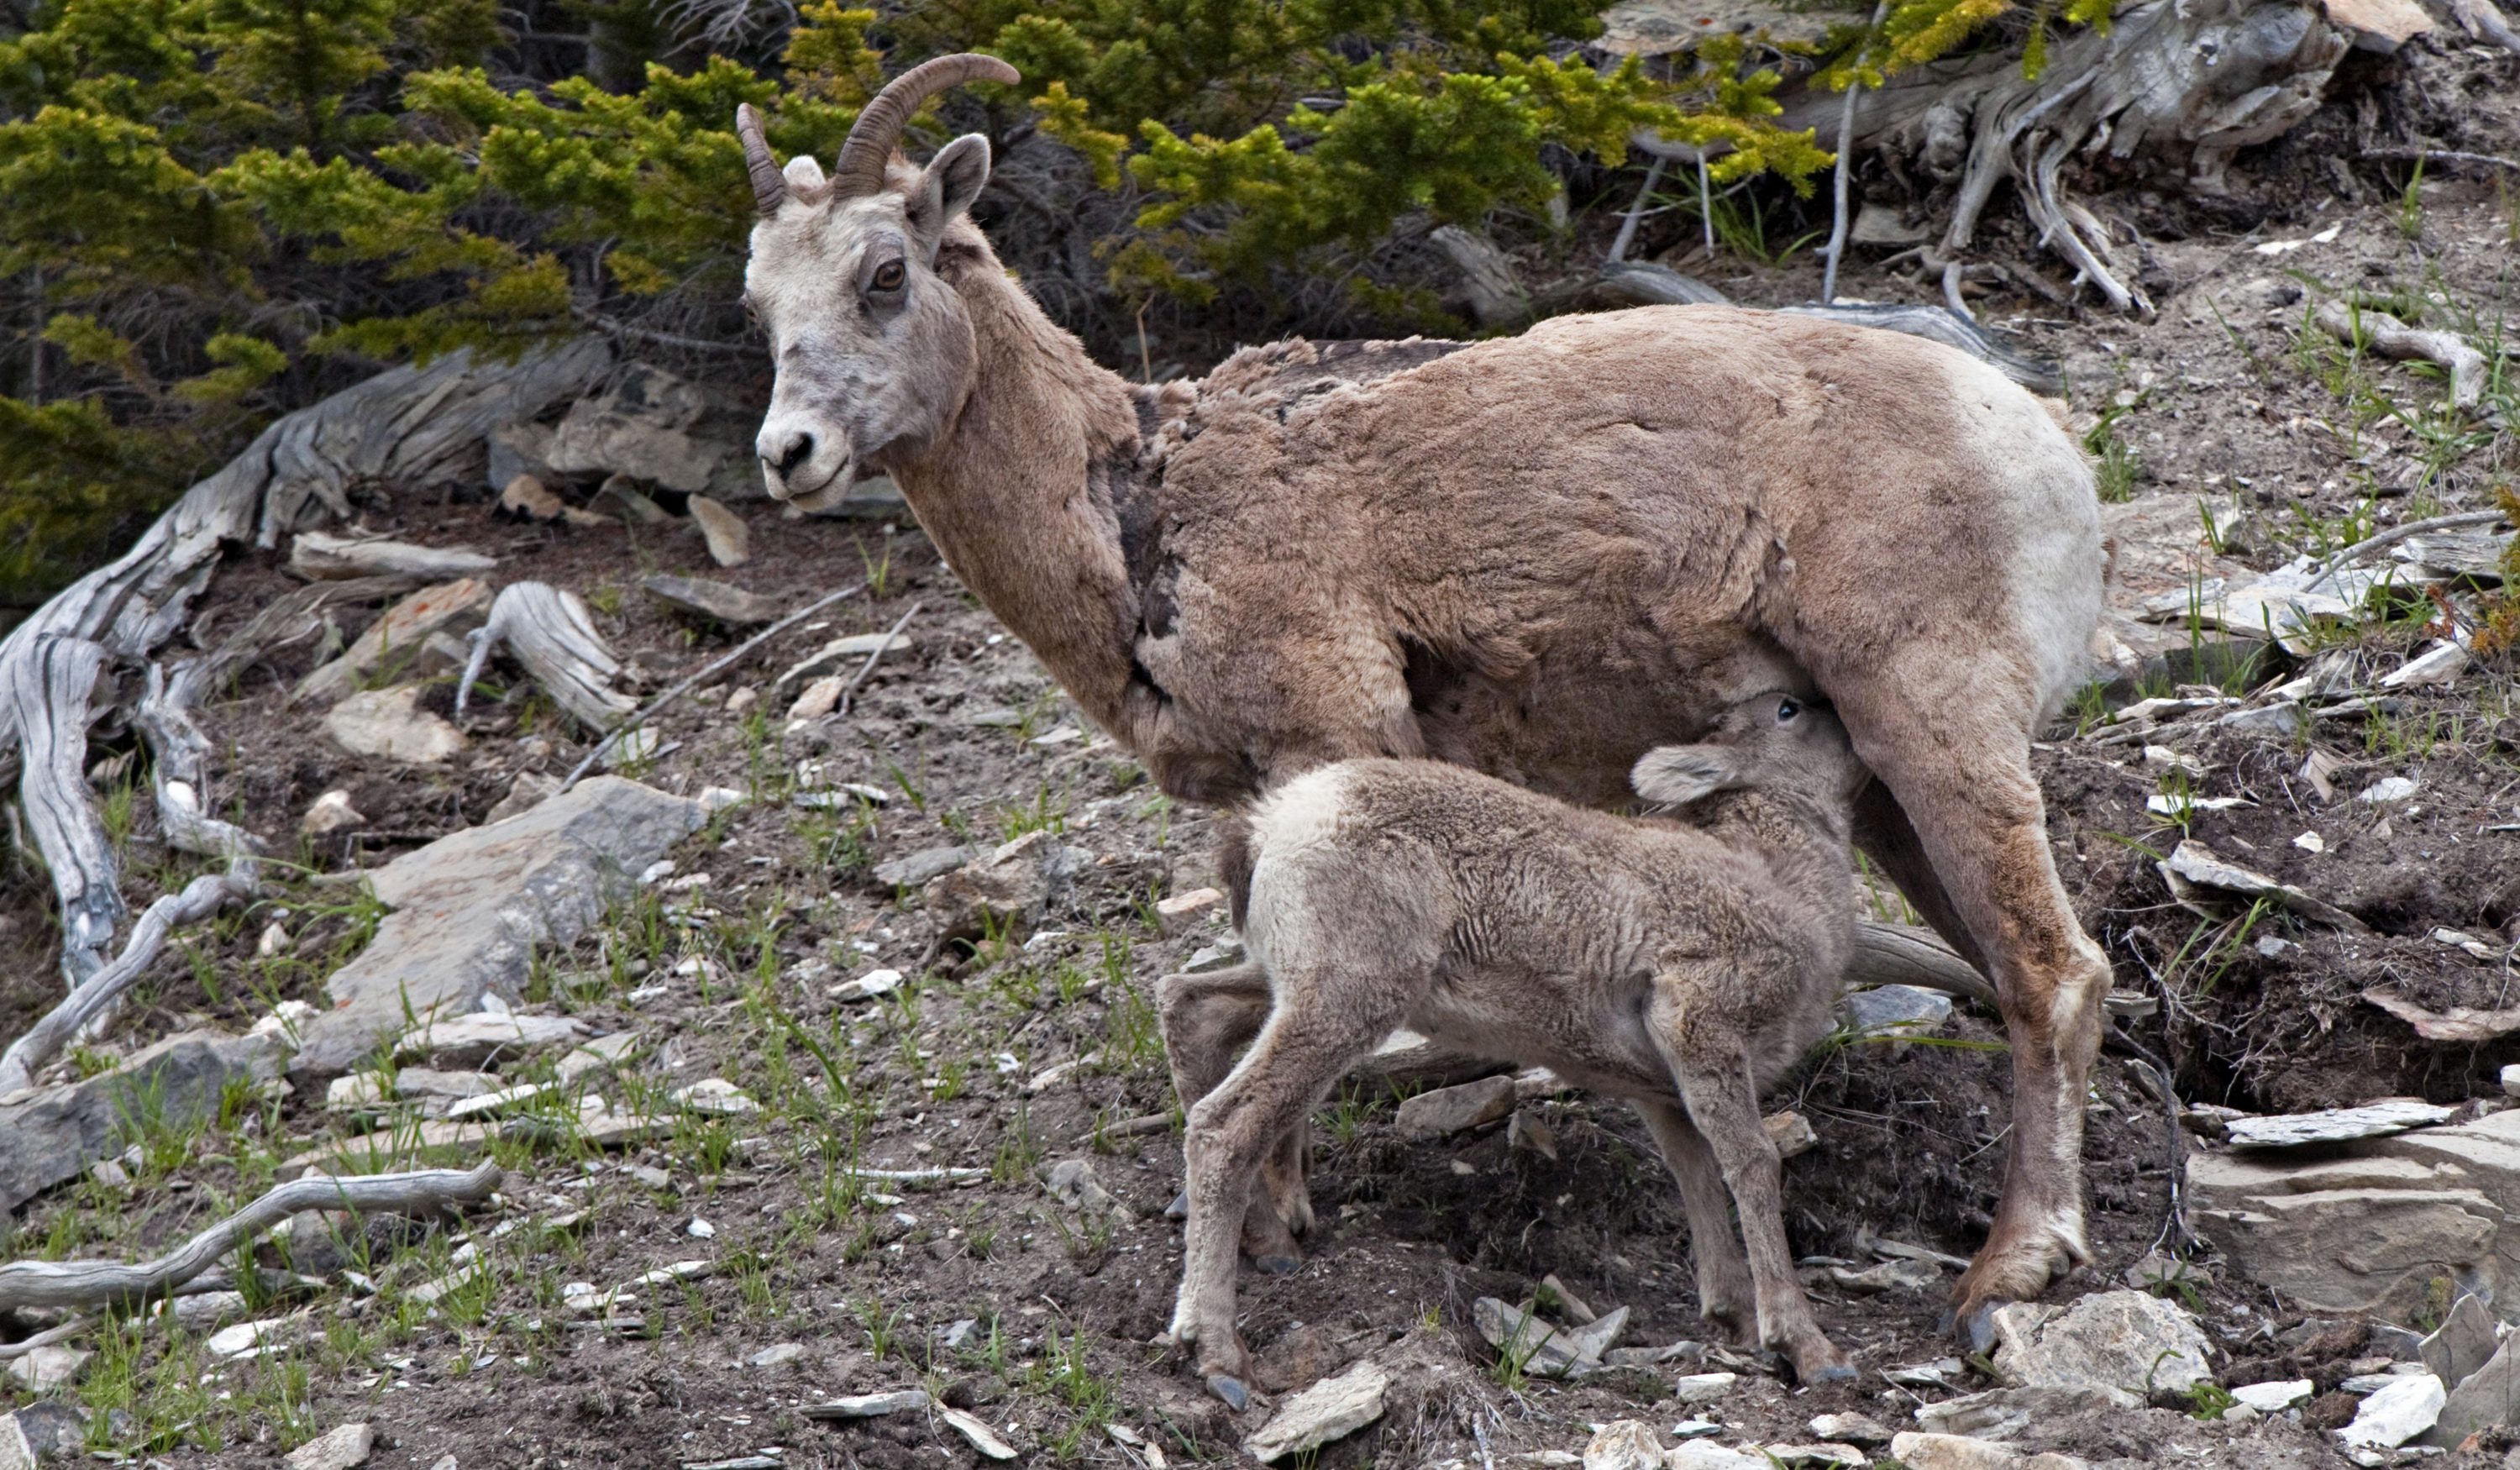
x,y
874,352
1785,746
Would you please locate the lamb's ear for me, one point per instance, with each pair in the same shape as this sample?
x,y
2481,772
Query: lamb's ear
x,y
805,175
1675,775
954,178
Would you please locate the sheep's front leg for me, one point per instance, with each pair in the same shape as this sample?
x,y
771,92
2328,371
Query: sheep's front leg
x,y
1724,1292
1207,1021
1711,1062
1310,1040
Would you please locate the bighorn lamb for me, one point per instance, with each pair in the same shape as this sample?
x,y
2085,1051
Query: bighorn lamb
x,y
1538,556
1679,966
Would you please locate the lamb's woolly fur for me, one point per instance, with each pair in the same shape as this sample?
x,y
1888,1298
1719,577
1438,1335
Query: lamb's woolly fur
x,y
1537,556
1679,966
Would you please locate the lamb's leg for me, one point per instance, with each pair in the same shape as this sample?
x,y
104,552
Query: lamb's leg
x,y
1724,1292
1713,1069
1958,765
1207,1021
1317,1032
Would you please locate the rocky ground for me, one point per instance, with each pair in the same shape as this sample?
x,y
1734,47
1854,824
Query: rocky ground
x,y
835,1131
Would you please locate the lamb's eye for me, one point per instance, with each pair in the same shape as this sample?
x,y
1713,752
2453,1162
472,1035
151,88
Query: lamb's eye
x,y
1786,709
888,276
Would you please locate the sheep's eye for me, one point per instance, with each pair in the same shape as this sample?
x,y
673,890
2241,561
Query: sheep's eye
x,y
888,276
1786,709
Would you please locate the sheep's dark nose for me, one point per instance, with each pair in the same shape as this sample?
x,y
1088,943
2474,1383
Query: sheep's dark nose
x,y
798,451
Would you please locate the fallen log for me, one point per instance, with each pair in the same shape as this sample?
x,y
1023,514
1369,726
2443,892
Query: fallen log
x,y
99,1284
324,558
44,694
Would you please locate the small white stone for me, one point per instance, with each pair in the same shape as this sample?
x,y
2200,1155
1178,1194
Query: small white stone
x,y
2311,842
701,1229
2398,1411
2274,1398
2387,788
867,986
1702,1388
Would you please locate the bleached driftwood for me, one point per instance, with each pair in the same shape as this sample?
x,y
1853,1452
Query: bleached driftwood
x,y
44,692
549,633
2394,339
2200,79
316,555
292,618
412,427
178,775
97,1284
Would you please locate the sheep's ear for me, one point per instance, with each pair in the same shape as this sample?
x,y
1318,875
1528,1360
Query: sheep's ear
x,y
954,178
805,175
1675,775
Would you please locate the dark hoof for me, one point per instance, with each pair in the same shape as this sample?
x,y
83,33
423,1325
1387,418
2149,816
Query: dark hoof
x,y
1975,1330
1179,1209
1276,1265
1230,1389
1835,1372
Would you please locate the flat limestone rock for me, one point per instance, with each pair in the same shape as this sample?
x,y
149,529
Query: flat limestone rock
x,y
730,539
731,605
341,1449
2397,1412
2466,1339
1331,1410
2360,1251
1535,1345
470,908
2274,1398
1625,1445
391,724
980,1436
2458,1026
2192,866
2344,1124
477,1039
2487,1398
49,1135
1658,27
399,636
2130,1342
1455,1110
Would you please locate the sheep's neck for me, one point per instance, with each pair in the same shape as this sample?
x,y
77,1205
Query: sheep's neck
x,y
1005,492
1806,847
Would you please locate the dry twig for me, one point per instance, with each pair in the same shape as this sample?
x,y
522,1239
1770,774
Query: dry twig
x,y
2391,337
714,667
850,692
95,1285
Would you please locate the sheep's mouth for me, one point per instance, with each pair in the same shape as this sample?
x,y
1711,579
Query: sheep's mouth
x,y
823,497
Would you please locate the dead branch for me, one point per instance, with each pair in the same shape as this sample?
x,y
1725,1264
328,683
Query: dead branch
x,y
552,636
1636,212
715,666
2441,156
99,1284
849,690
292,618
2395,534
1905,954
316,556
45,686
1846,167
179,762
197,900
2393,338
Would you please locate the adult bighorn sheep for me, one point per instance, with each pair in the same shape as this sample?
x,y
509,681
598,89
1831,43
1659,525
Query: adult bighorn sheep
x,y
1538,556
1680,964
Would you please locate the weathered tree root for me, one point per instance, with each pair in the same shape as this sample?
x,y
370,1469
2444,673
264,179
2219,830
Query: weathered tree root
x,y
99,1284
2393,338
1905,954
552,636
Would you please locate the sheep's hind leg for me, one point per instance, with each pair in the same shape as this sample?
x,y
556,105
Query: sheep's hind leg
x,y
1724,1292
1959,767
1207,1018
1714,1076
1309,1042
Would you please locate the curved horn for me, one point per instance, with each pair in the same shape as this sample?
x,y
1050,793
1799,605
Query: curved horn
x,y
860,170
769,185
